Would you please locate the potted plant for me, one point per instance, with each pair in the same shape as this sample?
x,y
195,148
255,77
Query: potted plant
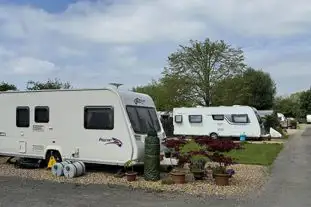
x,y
220,173
130,175
178,174
197,167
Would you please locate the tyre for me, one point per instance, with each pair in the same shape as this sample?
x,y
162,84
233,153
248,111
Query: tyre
x,y
214,135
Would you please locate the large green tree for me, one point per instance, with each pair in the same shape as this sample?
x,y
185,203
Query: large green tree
x,y
201,65
254,88
166,93
305,102
49,84
4,86
290,106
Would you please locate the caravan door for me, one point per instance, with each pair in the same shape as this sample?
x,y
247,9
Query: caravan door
x,y
23,128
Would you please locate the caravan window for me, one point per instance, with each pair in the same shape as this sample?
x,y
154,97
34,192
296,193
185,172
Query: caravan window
x,y
240,118
22,116
195,118
42,114
178,118
99,118
143,119
218,117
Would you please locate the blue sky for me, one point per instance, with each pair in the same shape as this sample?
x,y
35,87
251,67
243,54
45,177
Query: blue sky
x,y
93,43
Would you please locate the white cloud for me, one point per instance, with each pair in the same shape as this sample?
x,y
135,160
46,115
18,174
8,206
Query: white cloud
x,y
30,66
94,43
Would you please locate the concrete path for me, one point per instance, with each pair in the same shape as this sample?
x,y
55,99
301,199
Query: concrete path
x,y
290,182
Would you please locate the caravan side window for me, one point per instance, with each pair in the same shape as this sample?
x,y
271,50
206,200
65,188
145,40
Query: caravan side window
x,y
22,116
178,118
218,117
240,118
42,114
195,118
99,117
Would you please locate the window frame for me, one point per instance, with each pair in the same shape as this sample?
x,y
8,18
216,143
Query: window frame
x,y
16,116
143,107
48,113
222,115
195,115
240,115
85,112
181,118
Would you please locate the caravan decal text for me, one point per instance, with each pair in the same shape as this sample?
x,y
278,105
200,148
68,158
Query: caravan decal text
x,y
139,101
111,141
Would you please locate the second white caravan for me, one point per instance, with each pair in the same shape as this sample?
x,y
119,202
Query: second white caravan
x,y
104,126
220,121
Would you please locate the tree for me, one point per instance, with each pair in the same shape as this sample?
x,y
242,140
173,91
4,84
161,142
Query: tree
x,y
4,86
49,84
254,88
201,65
166,94
290,106
154,89
305,102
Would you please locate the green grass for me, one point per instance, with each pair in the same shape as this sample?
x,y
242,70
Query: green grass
x,y
256,154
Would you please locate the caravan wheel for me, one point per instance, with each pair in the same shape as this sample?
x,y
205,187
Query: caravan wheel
x,y
214,136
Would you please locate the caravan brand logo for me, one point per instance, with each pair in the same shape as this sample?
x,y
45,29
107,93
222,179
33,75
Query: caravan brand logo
x,y
139,101
111,141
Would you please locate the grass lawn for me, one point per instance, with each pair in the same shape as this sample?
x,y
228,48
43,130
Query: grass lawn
x,y
259,154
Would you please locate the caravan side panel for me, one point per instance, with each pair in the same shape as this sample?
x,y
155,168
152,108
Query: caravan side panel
x,y
65,129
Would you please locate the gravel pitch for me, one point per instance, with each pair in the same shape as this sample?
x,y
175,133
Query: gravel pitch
x,y
248,178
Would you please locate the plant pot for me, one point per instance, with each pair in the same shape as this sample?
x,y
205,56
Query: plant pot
x,y
178,177
131,176
221,179
198,174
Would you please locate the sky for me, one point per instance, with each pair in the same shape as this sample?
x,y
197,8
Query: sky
x,y
91,43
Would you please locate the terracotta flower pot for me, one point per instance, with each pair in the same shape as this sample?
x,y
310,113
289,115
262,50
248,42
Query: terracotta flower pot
x,y
178,177
131,176
221,179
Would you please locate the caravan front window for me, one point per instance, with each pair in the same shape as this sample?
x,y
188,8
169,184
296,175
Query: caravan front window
x,y
143,119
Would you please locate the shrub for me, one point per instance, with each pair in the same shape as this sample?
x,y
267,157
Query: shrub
x,y
271,121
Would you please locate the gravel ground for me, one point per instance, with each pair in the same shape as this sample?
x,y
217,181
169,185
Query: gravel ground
x,y
248,178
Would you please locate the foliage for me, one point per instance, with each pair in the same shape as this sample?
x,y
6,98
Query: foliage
x,y
201,65
257,154
305,102
129,164
223,161
199,150
218,145
4,86
49,84
253,88
167,93
271,121
289,106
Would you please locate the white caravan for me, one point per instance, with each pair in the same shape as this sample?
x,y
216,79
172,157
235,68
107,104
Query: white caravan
x,y
220,121
308,119
103,126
